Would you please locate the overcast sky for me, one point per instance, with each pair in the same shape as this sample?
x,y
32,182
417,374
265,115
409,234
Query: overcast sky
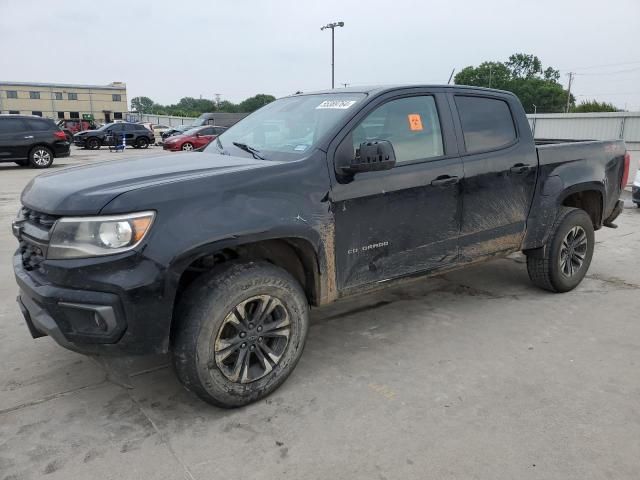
x,y
171,49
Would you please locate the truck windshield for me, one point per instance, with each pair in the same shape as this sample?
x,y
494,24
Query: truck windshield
x,y
288,128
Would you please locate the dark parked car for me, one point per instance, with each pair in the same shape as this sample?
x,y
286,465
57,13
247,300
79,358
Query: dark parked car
x,y
635,189
192,139
136,135
177,130
216,257
30,140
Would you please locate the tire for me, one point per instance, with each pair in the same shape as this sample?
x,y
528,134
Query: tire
x,y
93,143
571,227
142,142
187,147
203,359
40,157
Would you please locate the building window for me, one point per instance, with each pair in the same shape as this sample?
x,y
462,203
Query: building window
x,y
36,113
116,97
57,95
34,95
72,96
14,112
61,115
74,114
117,115
12,94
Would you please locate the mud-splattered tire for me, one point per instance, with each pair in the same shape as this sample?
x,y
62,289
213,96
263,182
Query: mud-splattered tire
x,y
568,253
219,326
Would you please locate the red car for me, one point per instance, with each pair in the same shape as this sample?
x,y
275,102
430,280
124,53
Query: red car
x,y
191,139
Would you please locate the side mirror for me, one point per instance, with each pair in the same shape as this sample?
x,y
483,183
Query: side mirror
x,y
198,134
372,156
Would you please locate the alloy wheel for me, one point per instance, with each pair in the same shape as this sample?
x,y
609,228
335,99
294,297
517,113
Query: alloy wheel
x,y
252,339
573,251
41,157
187,147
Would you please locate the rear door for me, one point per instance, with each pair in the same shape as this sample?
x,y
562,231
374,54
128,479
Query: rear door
x,y
15,138
500,165
405,220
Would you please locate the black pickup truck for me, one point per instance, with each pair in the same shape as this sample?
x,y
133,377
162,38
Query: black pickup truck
x,y
217,256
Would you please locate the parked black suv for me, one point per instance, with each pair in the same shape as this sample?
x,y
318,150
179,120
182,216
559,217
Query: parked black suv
x,y
30,140
135,135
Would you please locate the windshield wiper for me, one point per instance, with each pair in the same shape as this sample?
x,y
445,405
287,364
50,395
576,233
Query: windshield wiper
x,y
251,150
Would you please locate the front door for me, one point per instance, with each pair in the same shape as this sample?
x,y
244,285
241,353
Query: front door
x,y
500,164
404,220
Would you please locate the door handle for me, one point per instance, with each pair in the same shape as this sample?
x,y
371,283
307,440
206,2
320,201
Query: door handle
x,y
520,168
29,136
445,180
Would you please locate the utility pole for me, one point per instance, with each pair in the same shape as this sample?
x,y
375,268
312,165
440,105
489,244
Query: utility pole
x,y
571,74
332,26
490,74
218,95
451,76
535,108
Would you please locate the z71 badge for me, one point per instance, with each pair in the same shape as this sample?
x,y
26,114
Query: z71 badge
x,y
366,248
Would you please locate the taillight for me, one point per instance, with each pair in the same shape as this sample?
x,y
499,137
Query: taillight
x,y
60,135
625,173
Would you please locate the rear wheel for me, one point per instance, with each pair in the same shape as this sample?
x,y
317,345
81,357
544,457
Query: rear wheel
x,y
41,157
568,253
142,143
240,333
187,147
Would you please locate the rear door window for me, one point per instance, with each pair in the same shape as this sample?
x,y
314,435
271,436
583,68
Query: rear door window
x,y
487,123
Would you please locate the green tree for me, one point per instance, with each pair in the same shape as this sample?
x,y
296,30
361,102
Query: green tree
x,y
595,106
141,104
254,103
522,74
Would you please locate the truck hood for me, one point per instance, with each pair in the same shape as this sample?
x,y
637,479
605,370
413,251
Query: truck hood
x,y
86,189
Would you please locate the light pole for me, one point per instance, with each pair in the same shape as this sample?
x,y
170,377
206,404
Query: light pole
x,y
332,26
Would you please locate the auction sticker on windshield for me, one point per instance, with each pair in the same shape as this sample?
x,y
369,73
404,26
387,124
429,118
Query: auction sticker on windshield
x,y
336,104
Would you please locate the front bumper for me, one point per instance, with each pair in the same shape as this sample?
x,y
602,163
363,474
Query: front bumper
x,y
174,147
96,311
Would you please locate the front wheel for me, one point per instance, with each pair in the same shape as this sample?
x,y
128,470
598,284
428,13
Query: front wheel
x,y
142,143
93,143
568,253
240,333
187,147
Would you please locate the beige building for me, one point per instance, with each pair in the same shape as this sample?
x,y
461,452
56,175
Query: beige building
x,y
59,100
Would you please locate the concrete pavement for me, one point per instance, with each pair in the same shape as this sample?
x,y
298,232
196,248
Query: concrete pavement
x,y
475,374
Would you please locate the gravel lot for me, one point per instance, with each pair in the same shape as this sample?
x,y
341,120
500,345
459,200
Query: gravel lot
x,y
474,374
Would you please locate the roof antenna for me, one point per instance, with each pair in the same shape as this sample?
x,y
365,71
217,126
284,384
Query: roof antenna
x,y
451,76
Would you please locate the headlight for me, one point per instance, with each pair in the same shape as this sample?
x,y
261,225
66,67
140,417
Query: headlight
x,y
81,237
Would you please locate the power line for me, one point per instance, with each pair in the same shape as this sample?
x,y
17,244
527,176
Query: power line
x,y
606,65
609,73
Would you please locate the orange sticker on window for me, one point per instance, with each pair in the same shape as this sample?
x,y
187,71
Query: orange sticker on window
x,y
415,122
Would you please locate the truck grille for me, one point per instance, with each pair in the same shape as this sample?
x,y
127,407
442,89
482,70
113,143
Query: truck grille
x,y
34,238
